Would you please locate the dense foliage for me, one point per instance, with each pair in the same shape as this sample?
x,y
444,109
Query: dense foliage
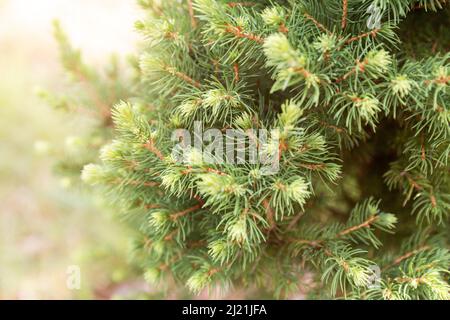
x,y
361,110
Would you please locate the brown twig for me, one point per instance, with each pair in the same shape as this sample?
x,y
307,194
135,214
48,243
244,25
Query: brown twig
x,y
152,206
433,200
406,256
205,170
318,166
150,145
305,73
243,4
236,72
360,66
319,243
316,244
137,183
180,214
283,28
365,224
191,13
335,128
411,181
103,107
294,221
239,33
171,235
422,148
344,13
270,214
317,23
211,170
182,76
372,33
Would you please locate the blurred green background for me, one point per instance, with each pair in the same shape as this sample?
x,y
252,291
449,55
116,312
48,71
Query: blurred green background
x,y
46,227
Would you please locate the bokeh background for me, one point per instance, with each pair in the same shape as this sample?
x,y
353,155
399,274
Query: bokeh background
x,y
46,227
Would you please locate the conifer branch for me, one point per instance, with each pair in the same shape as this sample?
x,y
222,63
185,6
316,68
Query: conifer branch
x,y
360,66
316,166
180,214
191,14
299,82
283,29
317,23
239,33
236,72
405,256
171,235
411,181
344,14
270,214
243,4
190,170
372,34
150,146
135,183
152,206
182,76
335,128
365,224
104,109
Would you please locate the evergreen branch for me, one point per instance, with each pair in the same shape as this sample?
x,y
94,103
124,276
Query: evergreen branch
x,y
270,214
172,235
215,171
372,34
166,266
327,103
190,170
365,224
242,4
135,183
317,166
418,280
191,14
236,72
305,73
103,107
368,222
411,181
317,23
315,244
344,14
433,199
147,243
239,33
152,206
405,256
283,29
145,184
150,146
181,76
180,214
335,128
294,221
442,79
360,66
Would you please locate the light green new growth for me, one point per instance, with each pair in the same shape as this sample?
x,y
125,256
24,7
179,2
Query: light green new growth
x,y
359,118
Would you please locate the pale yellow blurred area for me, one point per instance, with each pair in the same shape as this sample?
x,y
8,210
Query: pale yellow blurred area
x,y
44,228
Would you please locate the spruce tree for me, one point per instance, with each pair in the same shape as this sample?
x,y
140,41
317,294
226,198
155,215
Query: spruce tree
x,y
88,94
354,97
